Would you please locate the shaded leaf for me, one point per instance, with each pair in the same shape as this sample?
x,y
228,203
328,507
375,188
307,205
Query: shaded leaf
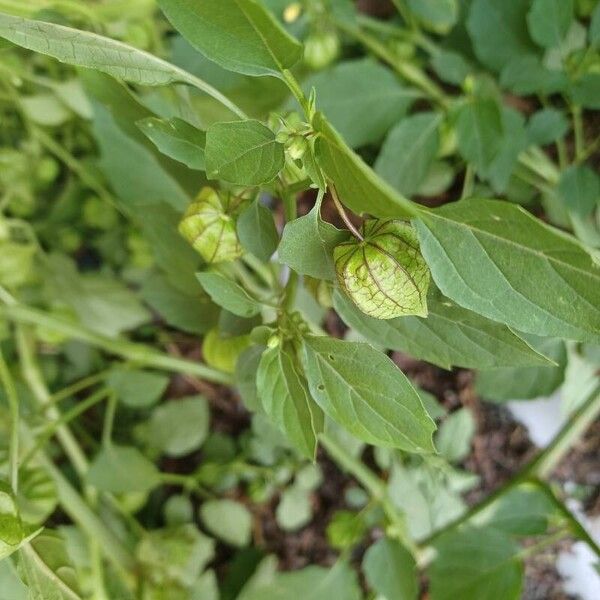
x,y
228,294
257,232
229,520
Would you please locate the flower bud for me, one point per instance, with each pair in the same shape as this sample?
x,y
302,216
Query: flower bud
x,y
384,274
207,225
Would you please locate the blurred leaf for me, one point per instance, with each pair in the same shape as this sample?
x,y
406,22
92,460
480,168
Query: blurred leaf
x,y
137,389
450,66
294,510
498,30
352,89
454,437
438,15
549,21
586,91
179,426
122,469
546,125
408,152
579,189
228,520
391,570
476,564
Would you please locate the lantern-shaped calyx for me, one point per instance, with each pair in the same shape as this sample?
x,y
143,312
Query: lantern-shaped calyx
x,y
209,225
384,274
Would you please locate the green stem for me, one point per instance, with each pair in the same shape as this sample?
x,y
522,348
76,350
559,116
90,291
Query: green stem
x,y
372,484
36,384
109,420
342,212
297,92
467,190
290,210
547,541
131,351
13,404
52,427
79,386
540,467
578,131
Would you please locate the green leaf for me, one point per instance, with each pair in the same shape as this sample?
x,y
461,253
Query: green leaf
x,y
594,32
438,15
586,91
450,66
408,152
358,186
476,564
228,294
284,394
191,312
180,426
526,74
240,35
352,89
85,49
245,376
137,389
479,131
524,510
454,437
307,245
449,336
257,232
174,555
122,469
391,570
45,567
229,520
294,510
177,139
498,260
364,391
549,21
501,385
498,30
11,586
546,125
243,152
310,583
13,532
579,189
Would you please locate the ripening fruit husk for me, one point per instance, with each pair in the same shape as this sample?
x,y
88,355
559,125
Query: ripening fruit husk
x,y
384,274
208,227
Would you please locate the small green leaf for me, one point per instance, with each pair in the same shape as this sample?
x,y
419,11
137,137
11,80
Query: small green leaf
x,y
524,510
546,126
284,394
408,152
245,376
122,469
579,189
437,15
137,389
454,437
239,35
501,385
307,245
294,510
358,186
228,294
257,232
496,259
451,67
586,91
177,139
13,532
45,567
364,391
228,520
243,152
498,30
479,131
346,94
391,570
180,426
449,336
476,564
549,21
